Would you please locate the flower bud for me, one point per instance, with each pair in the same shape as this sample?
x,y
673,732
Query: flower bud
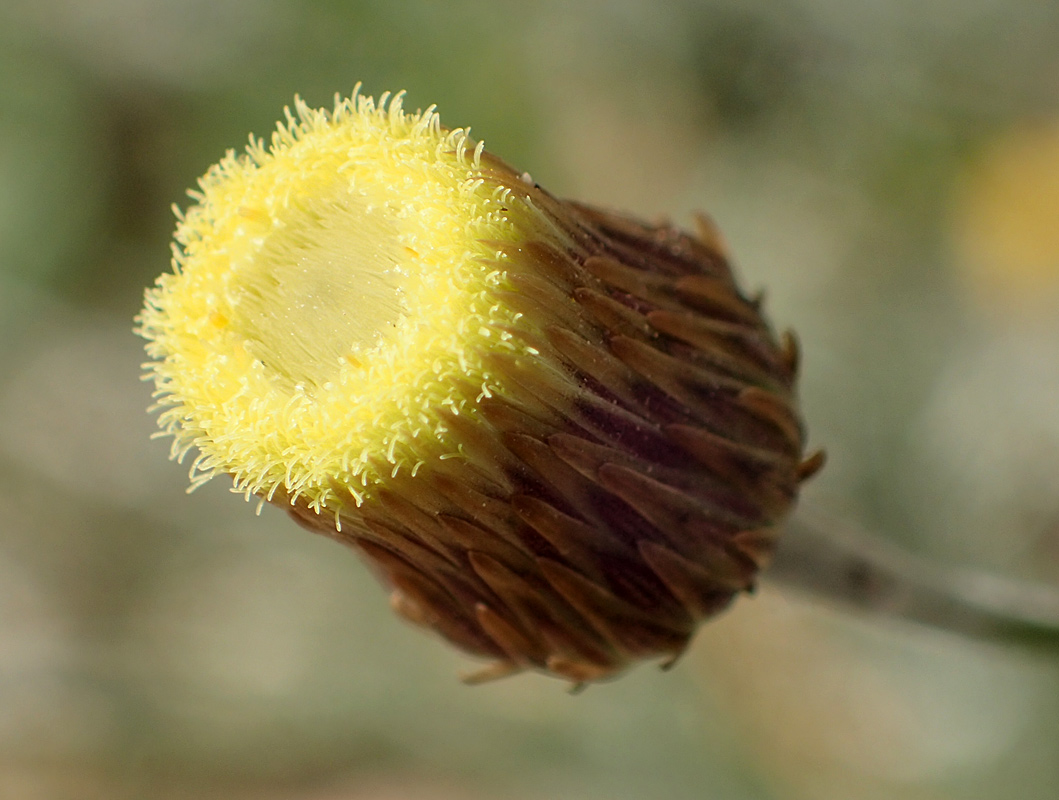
x,y
563,437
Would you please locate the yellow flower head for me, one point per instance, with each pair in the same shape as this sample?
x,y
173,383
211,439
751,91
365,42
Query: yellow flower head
x,y
563,437
329,294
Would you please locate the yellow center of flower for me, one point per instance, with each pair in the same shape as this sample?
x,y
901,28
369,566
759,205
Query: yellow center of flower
x,y
331,296
322,291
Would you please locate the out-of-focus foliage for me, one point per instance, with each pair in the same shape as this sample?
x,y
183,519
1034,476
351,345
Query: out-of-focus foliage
x,y
888,171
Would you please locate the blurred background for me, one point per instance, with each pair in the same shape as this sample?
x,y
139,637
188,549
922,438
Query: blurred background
x,y
888,171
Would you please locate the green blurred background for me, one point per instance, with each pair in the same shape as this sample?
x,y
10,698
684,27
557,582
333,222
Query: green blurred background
x,y
889,171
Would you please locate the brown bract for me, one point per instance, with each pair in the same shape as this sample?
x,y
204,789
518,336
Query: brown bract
x,y
626,485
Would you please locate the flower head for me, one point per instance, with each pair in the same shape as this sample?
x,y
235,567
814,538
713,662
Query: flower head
x,y
563,437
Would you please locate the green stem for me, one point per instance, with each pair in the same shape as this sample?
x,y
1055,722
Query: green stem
x,y
835,560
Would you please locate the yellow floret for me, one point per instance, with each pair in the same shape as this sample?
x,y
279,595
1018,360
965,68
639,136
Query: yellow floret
x,y
330,294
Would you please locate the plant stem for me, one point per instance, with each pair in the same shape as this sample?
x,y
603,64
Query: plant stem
x,y
833,559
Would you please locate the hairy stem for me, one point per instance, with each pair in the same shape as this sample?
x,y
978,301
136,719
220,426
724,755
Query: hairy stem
x,y
833,559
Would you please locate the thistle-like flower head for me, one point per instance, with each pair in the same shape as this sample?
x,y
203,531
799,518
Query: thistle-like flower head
x,y
563,437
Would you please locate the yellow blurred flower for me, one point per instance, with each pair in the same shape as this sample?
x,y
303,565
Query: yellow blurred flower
x,y
1006,225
